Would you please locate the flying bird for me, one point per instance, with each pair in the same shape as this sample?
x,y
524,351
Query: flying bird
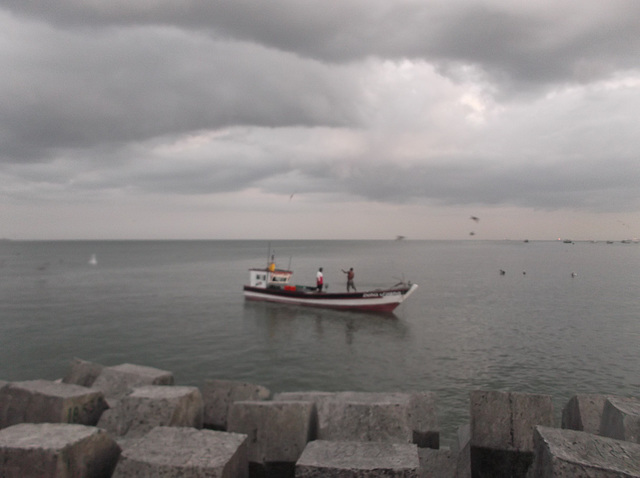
x,y
475,218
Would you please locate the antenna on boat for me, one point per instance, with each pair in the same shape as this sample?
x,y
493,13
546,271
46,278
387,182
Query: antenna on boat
x,y
401,282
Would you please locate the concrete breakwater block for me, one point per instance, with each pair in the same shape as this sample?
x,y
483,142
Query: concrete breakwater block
x,y
583,413
115,382
462,451
335,459
569,453
621,419
38,401
439,463
185,452
502,425
368,416
82,373
148,407
277,431
56,450
218,395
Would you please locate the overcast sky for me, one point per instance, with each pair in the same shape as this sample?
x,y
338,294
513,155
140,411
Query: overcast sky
x,y
308,119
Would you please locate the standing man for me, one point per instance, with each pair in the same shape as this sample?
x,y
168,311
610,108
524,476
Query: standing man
x,y
319,280
350,276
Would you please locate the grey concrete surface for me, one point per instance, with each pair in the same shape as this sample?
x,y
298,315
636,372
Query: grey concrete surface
x,y
218,395
38,401
569,453
56,450
186,453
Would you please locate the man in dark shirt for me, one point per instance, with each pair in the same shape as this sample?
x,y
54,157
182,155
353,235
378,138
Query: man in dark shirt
x,y
350,276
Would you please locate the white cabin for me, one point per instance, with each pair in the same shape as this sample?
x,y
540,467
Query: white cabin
x,y
263,278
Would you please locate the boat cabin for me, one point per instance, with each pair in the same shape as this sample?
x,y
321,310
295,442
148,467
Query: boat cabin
x,y
264,278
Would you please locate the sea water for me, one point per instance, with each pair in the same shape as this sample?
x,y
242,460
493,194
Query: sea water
x,y
562,319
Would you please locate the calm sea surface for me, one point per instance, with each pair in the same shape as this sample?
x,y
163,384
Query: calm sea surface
x,y
178,306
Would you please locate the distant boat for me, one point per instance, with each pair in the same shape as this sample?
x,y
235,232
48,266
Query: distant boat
x,y
272,285
93,260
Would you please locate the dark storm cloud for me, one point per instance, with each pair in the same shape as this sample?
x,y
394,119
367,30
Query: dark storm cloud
x,y
530,44
68,90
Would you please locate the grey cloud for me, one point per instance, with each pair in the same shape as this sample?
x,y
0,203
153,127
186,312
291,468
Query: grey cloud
x,y
539,187
596,184
104,83
601,184
217,176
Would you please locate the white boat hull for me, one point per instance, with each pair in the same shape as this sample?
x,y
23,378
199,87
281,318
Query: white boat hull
x,y
374,301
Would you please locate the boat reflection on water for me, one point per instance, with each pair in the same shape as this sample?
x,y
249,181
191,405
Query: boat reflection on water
x,y
284,321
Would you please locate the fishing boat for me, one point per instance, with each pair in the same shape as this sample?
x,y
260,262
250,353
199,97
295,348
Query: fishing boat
x,y
273,285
